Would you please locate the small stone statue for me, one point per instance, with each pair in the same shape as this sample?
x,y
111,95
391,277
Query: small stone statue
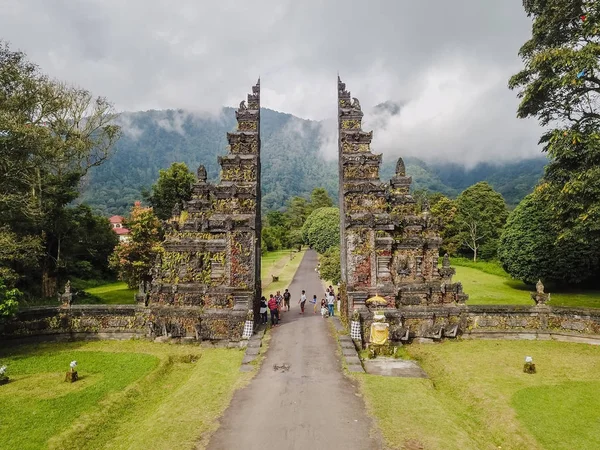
x,y
355,103
539,287
3,377
67,297
72,376
426,208
243,105
201,173
539,297
529,366
400,168
446,261
176,212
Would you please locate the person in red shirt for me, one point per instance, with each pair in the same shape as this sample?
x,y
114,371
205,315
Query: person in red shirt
x,y
273,307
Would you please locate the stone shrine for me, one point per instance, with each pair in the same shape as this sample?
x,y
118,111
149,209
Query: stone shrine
x,y
211,257
388,247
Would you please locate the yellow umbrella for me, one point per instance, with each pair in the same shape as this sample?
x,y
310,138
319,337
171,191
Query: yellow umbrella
x,y
376,300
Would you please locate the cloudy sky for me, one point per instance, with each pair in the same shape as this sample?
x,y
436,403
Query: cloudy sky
x,y
447,62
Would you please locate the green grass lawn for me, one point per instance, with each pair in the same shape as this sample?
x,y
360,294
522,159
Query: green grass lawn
x,y
492,286
270,259
131,395
286,274
112,294
478,397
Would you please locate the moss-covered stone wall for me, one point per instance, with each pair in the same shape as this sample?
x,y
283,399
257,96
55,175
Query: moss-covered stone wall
x,y
125,321
487,321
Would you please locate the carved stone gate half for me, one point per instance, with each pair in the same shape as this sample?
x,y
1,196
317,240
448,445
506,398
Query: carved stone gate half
x,y
388,247
208,277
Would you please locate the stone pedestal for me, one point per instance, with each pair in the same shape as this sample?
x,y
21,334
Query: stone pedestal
x,y
71,377
66,300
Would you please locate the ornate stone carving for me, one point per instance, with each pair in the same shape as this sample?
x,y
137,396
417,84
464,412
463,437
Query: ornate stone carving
x,y
201,174
211,250
400,168
539,296
406,267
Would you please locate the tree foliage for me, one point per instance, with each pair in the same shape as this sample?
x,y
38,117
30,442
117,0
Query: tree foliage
x,y
329,265
8,300
480,216
445,209
283,229
529,249
173,187
52,134
134,259
319,198
322,229
560,86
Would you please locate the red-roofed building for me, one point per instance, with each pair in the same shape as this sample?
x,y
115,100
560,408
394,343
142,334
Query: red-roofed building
x,y
117,225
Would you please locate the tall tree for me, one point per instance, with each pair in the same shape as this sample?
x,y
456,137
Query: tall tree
x,y
560,86
330,268
322,229
297,211
480,217
134,259
173,187
52,134
319,198
529,249
444,209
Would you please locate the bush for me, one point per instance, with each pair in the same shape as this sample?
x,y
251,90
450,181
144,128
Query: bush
x,y
532,248
9,303
322,229
330,267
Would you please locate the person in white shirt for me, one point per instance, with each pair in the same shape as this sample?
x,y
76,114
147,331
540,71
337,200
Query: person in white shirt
x,y
330,302
302,302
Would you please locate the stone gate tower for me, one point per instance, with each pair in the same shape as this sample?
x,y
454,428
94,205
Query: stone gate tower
x,y
208,276
388,247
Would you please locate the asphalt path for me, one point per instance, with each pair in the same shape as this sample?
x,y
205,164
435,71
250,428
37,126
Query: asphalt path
x,y
299,399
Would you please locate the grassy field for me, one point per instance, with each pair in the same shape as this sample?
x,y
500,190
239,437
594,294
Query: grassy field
x,y
276,263
286,270
112,294
269,261
487,284
131,395
478,397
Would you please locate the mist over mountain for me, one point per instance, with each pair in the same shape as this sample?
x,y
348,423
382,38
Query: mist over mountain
x,y
293,162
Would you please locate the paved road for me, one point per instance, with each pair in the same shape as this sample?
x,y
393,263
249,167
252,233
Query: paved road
x,y
310,406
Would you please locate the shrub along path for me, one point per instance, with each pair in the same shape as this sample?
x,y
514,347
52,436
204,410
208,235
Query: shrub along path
x,y
299,399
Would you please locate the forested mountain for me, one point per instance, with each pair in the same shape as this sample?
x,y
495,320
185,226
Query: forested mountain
x,y
292,163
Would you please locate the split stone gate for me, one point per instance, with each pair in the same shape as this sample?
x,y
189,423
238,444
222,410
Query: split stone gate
x,y
206,283
211,259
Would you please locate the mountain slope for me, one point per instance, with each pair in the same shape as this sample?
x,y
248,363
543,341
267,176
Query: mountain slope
x,y
292,163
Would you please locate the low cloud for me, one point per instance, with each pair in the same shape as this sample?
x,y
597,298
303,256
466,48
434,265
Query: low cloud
x,y
447,62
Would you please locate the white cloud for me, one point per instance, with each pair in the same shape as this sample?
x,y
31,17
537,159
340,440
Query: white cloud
x,y
448,61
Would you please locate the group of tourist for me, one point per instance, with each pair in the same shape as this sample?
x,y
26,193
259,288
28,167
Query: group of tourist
x,y
275,305
279,303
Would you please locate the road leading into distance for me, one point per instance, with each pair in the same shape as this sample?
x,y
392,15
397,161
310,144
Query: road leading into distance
x,y
311,405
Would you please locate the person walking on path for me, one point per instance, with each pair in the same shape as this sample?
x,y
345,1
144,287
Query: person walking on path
x,y
274,311
314,302
330,302
264,318
279,299
286,299
302,302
